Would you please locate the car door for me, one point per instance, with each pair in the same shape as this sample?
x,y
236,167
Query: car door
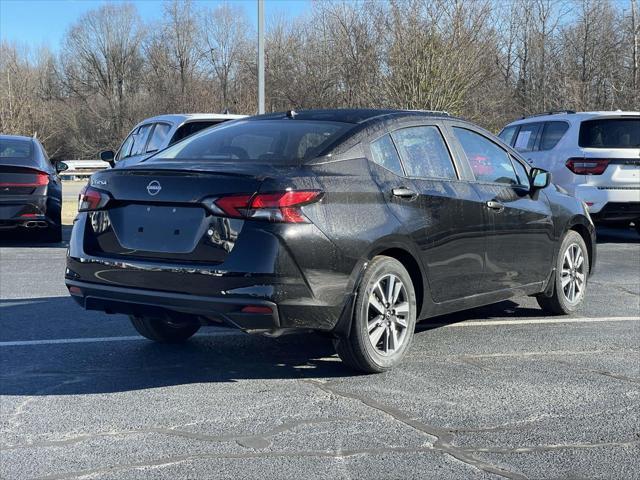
x,y
520,249
441,213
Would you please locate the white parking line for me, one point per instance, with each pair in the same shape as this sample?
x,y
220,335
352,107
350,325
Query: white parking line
x,y
234,333
534,321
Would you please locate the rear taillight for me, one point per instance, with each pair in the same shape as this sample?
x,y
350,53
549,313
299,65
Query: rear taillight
x,y
273,207
92,199
587,166
41,179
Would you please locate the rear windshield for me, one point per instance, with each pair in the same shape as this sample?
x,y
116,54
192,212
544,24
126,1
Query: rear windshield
x,y
610,133
279,142
21,150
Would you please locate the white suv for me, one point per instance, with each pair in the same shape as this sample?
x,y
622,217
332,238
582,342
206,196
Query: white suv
x,y
593,155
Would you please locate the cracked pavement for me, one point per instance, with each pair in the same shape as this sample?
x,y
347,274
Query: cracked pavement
x,y
477,397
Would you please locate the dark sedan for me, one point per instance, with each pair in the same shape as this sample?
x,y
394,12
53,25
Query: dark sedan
x,y
30,189
356,223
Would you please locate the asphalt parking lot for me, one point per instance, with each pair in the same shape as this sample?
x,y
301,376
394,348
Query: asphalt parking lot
x,y
496,392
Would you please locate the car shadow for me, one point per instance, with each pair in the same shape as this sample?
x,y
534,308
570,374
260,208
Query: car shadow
x,y
616,235
76,367
28,238
502,310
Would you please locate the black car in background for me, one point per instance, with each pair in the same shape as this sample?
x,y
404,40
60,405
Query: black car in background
x,y
30,189
356,223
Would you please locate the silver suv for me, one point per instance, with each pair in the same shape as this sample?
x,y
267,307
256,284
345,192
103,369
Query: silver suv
x,y
157,133
593,155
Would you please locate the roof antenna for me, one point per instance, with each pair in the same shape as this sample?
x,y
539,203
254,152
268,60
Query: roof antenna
x,y
291,114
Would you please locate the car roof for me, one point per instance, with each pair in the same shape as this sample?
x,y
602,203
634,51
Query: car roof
x,y
574,116
16,137
347,115
179,118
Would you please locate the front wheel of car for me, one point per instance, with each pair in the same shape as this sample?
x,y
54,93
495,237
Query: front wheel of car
x,y
384,318
570,277
164,330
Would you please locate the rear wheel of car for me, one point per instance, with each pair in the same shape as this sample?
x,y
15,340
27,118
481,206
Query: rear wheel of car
x,y
384,318
164,330
570,277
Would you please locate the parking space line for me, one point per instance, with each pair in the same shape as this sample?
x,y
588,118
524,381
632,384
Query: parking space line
x,y
534,321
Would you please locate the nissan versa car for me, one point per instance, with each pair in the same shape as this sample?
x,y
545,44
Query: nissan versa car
x,y
593,155
30,189
356,223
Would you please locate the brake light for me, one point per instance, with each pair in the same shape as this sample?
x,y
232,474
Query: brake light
x,y
587,166
92,199
41,179
273,207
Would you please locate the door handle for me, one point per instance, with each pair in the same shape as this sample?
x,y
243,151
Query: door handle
x,y
403,192
496,206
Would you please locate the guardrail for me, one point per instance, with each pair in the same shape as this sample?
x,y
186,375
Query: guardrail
x,y
81,169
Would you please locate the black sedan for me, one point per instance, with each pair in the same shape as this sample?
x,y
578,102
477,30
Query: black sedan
x,y
356,223
30,189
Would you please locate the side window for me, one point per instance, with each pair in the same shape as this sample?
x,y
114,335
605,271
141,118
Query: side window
x,y
526,139
552,133
384,154
521,172
489,162
507,134
126,147
140,139
158,137
424,152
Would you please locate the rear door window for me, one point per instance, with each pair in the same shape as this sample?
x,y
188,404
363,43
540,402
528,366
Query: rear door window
x,y
527,136
552,133
508,134
384,153
424,153
140,140
610,133
158,137
489,162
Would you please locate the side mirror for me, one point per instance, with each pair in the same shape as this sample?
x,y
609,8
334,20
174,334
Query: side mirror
x,y
107,156
61,167
540,178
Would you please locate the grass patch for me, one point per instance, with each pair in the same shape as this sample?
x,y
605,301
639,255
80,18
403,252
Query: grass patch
x,y
69,211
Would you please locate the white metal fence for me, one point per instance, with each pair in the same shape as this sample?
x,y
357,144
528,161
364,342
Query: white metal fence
x,y
82,169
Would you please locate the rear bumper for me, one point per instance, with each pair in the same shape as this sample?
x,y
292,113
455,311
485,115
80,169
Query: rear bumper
x,y
133,301
260,272
610,203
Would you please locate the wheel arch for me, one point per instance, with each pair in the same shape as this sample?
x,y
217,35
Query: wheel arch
x,y
585,229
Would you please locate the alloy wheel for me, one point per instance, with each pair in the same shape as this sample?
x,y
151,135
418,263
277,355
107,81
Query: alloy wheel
x,y
388,314
572,276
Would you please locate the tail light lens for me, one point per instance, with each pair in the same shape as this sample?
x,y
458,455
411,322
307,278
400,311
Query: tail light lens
x,y
588,166
41,179
92,199
273,207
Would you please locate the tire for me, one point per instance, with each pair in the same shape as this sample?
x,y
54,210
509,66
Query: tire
x,y
162,330
562,302
397,326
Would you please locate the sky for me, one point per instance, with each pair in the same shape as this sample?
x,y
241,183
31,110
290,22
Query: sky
x,y
44,22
